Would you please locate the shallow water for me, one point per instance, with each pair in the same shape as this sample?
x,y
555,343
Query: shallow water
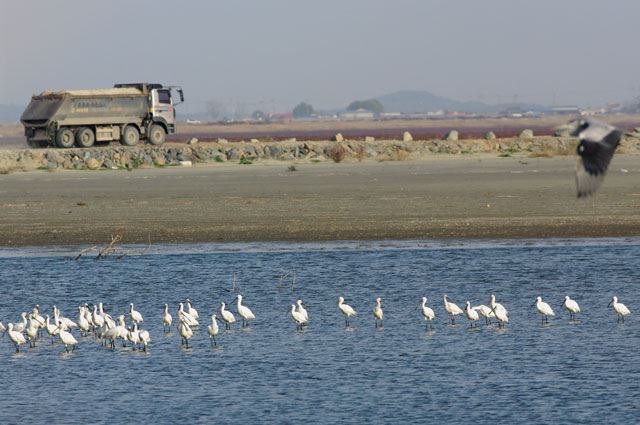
x,y
584,372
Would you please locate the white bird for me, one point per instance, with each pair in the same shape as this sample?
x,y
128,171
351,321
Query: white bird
x,y
67,339
183,316
133,335
52,329
83,323
486,312
544,309
135,315
145,339
185,332
571,306
303,311
213,329
346,310
377,312
452,309
166,318
620,309
427,313
37,317
501,313
97,318
244,312
191,310
227,316
2,327
16,337
298,317
111,334
63,322
32,333
21,326
472,314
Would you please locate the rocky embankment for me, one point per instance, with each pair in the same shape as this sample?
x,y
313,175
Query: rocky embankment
x,y
119,157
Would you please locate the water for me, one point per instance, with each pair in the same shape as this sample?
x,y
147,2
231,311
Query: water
x,y
583,373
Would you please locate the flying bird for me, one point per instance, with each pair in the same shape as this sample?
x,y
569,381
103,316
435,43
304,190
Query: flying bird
x,y
598,142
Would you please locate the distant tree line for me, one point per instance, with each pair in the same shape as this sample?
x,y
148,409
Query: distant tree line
x,y
371,105
303,110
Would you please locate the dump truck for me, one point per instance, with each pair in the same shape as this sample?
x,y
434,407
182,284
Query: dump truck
x,y
127,113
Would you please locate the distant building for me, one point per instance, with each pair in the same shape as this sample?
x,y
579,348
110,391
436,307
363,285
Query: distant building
x,y
357,115
281,117
565,110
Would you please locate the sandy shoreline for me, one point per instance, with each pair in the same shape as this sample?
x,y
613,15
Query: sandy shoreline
x,y
475,196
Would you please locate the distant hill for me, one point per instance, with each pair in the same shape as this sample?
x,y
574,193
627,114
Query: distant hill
x,y
10,113
417,101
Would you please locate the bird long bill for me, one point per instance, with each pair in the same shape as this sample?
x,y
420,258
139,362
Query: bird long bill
x,y
609,305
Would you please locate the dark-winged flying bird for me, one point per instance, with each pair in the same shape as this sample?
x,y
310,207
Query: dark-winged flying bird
x,y
598,142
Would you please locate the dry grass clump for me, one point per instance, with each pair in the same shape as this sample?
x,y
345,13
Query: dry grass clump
x,y
337,153
397,154
551,152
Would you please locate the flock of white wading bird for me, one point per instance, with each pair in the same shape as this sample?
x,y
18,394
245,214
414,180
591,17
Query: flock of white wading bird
x,y
109,330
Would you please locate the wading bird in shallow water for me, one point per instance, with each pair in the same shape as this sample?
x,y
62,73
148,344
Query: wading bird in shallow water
x,y
620,309
166,319
501,313
452,309
472,314
377,312
227,316
486,312
213,329
427,313
598,142
571,306
544,309
299,318
67,339
346,310
185,333
244,312
16,337
303,311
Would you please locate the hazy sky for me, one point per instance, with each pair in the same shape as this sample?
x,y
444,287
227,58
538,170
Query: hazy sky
x,y
275,53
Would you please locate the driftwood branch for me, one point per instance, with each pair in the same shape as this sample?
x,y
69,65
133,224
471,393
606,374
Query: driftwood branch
x,y
112,248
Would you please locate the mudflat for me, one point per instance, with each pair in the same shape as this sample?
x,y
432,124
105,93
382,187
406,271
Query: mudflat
x,y
469,196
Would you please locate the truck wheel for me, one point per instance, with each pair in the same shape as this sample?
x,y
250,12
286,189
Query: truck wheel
x,y
64,138
85,138
130,136
156,134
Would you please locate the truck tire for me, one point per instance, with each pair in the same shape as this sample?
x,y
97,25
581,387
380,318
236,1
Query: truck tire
x,y
156,134
64,138
130,136
85,137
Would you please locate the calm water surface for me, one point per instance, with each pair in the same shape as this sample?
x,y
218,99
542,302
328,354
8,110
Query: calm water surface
x,y
587,372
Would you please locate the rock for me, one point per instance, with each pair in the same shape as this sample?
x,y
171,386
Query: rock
x,y
92,164
159,161
52,165
186,163
527,133
451,135
255,141
369,139
338,137
233,155
223,141
193,141
108,163
490,135
407,137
